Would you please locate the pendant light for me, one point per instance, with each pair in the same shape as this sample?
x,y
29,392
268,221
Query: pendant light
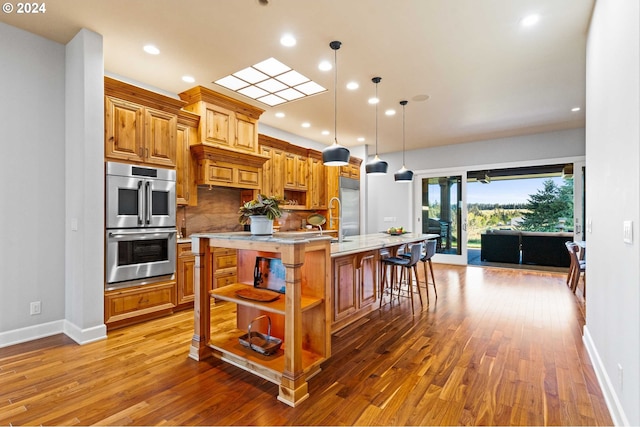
x,y
376,166
335,154
404,174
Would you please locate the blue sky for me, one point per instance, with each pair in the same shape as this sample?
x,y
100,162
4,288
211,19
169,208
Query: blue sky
x,y
508,191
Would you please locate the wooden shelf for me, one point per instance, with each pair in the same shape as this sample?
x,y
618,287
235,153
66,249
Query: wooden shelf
x,y
228,293
229,349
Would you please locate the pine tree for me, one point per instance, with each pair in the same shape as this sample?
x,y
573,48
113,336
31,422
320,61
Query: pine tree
x,y
547,206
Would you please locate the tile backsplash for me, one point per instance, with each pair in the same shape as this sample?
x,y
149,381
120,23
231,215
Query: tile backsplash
x,y
217,211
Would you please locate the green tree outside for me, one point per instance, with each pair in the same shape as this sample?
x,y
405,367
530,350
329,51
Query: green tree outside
x,y
545,208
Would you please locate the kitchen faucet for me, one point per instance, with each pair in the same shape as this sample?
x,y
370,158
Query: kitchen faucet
x,y
331,217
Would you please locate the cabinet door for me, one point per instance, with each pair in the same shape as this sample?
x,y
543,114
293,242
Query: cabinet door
x,y
183,165
318,185
218,125
368,279
160,137
344,281
185,274
267,172
246,134
123,130
278,178
302,173
289,170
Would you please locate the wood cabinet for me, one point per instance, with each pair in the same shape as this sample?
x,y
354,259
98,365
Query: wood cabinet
x,y
317,183
130,305
140,126
187,133
224,267
273,171
352,170
224,122
355,287
300,317
296,171
185,270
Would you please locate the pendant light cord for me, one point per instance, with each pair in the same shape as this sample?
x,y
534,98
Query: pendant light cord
x,y
335,95
377,102
403,103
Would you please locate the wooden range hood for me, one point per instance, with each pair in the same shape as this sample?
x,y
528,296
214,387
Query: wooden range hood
x,y
227,150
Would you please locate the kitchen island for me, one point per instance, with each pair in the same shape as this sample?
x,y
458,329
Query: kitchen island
x,y
321,280
356,273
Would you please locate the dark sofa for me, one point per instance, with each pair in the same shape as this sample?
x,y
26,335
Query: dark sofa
x,y
500,246
545,248
540,248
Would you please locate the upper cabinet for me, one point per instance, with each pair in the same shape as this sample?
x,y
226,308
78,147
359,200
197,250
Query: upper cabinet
x,y
224,122
186,189
140,125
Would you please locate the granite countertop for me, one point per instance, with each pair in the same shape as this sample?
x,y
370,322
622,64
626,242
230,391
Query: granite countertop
x,y
349,245
365,242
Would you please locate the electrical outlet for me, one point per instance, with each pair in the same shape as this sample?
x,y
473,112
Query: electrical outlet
x,y
35,308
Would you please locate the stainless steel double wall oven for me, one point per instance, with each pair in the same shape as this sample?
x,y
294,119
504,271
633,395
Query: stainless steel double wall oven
x,y
140,224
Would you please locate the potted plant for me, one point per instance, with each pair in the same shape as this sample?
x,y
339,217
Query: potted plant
x,y
260,213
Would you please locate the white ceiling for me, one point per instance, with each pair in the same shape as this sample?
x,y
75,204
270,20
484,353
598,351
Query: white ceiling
x,y
486,76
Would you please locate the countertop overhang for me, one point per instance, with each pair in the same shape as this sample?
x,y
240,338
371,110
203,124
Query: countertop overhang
x,y
349,245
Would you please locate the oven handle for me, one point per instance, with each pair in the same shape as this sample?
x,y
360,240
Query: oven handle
x,y
137,233
140,204
147,187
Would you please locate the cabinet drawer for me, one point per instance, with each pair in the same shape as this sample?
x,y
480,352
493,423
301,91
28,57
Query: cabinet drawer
x,y
225,258
129,303
224,278
184,250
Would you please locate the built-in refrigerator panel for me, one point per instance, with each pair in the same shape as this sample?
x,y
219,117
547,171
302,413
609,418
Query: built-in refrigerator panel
x,y
350,200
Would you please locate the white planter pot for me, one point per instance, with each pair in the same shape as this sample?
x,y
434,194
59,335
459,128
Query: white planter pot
x,y
261,225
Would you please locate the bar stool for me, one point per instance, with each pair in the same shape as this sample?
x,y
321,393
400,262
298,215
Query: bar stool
x,y
576,268
407,263
427,254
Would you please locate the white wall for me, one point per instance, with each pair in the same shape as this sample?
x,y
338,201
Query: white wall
x,y
386,198
33,182
51,116
612,332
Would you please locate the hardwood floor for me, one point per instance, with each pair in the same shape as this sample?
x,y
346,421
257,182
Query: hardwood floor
x,y
499,347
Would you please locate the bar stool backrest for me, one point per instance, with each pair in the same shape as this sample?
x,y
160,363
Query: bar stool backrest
x,y
430,249
416,253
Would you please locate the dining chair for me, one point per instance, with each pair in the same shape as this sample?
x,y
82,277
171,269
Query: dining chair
x,y
576,268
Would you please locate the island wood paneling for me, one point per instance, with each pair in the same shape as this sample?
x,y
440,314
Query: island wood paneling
x,y
498,347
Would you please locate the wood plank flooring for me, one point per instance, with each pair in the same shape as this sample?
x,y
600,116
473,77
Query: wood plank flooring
x,y
499,347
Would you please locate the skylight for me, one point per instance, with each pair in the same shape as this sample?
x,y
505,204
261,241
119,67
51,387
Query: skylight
x,y
270,82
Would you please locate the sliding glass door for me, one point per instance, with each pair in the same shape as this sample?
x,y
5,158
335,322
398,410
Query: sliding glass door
x,y
441,211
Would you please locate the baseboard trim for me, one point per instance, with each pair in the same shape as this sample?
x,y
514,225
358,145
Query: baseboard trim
x,y
85,336
616,410
30,333
43,330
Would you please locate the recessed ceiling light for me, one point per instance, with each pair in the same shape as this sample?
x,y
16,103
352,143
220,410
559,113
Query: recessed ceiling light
x,y
188,79
287,40
151,49
251,75
325,132
271,99
575,109
253,92
280,114
373,100
290,94
390,112
271,85
325,66
361,139
530,20
232,83
306,125
352,85
310,88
